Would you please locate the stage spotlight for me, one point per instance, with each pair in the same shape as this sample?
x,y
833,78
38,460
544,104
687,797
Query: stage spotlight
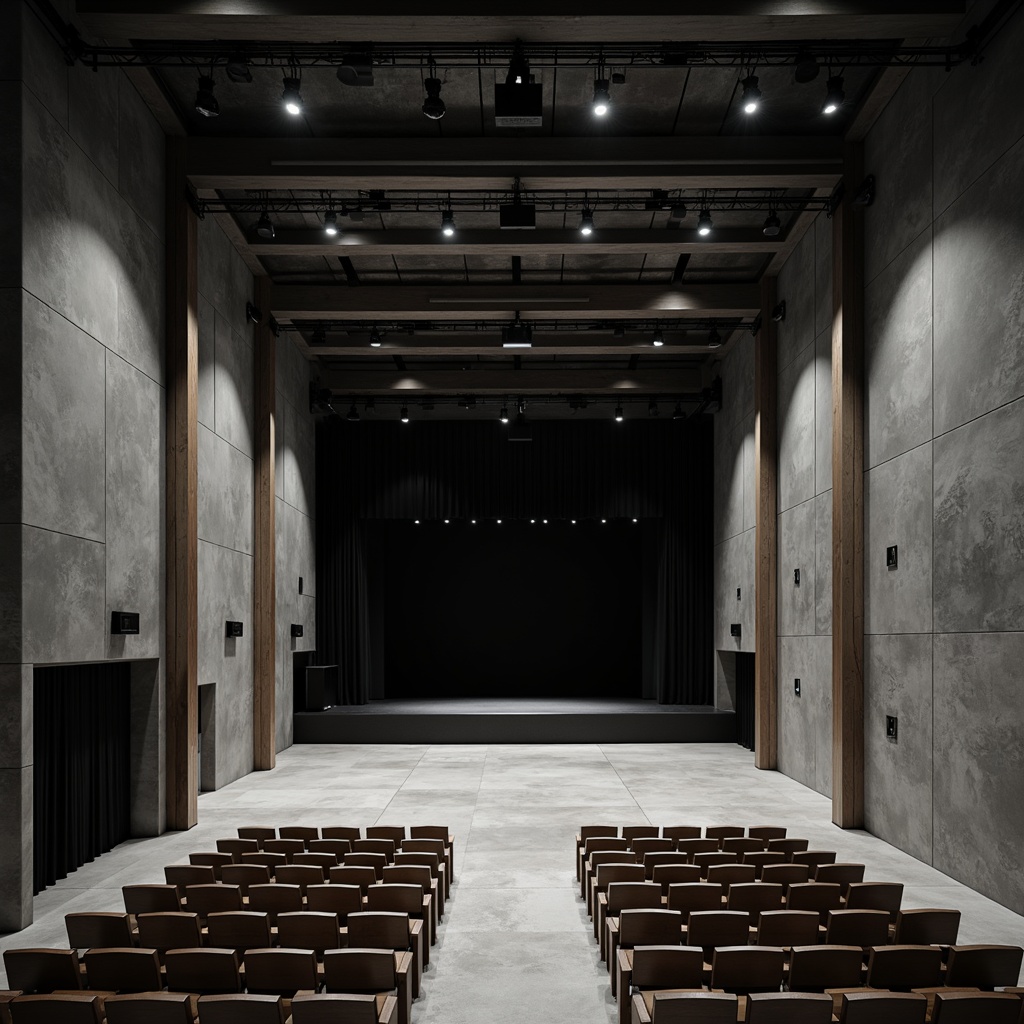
x,y
602,98
374,338
448,223
291,96
472,522
659,339
353,414
619,415
416,521
237,68
678,413
705,223
498,521
714,339
206,102
751,98
404,414
587,222
835,95
573,521
330,223
265,226
772,225
433,105
806,67
503,415
447,521
604,520
636,520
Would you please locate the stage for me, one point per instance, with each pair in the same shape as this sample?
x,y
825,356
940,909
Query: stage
x,y
508,720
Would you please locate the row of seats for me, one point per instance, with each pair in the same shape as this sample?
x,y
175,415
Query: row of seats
x,y
789,950
307,950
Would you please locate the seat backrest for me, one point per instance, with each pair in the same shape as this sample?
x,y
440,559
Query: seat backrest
x,y
721,832
286,846
238,929
405,899
309,929
927,927
353,874
214,859
902,968
977,966
645,927
126,969
788,845
340,832
659,857
396,833
674,874
339,847
973,1007
632,832
592,845
651,844
275,898
743,844
384,846
678,832
40,970
151,1007
202,970
816,968
340,900
321,859
731,874
169,930
789,1008
766,832
823,897
787,928
843,873
269,860
208,899
98,929
785,874
359,970
245,875
257,832
744,969
812,858
377,861
334,1008
591,831
432,861
883,1008
755,897
408,874
241,1009
305,833
438,846
761,859
182,875
302,875
857,928
281,971
429,832
150,899
76,1008
709,860
602,857
687,897
696,845
707,928
617,872
378,930
875,896
236,846
623,895
667,967
694,1008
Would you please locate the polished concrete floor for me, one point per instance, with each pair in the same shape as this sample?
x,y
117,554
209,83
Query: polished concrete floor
x,y
516,944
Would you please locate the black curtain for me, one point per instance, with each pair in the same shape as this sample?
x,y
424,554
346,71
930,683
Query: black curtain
x,y
81,774
650,470
745,700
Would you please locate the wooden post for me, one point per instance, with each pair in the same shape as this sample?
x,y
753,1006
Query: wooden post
x,y
848,501
766,480
182,692
264,718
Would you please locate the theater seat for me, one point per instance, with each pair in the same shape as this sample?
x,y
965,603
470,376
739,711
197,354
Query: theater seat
x,y
343,1009
39,970
68,1008
788,1008
241,1009
686,1008
150,1008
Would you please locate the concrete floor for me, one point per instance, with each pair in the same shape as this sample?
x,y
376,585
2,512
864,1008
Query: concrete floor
x,y
517,944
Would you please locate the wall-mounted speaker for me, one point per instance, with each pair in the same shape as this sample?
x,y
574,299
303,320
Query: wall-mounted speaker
x,y
734,629
124,623
296,629
233,629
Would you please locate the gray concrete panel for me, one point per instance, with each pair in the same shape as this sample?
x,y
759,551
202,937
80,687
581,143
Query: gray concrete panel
x,y
797,550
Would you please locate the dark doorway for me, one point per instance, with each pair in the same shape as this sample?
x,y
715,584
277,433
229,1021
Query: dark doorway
x,y
745,699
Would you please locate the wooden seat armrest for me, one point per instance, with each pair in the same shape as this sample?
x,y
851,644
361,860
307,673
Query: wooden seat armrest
x,y
389,1011
639,1011
403,962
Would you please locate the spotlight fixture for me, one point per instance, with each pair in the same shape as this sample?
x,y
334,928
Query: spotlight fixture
x,y
291,96
265,226
714,339
705,223
330,223
751,98
253,313
677,413
237,68
587,222
503,415
433,105
448,223
404,414
659,339
602,99
619,417
779,311
806,67
835,95
772,225
374,338
353,414
206,102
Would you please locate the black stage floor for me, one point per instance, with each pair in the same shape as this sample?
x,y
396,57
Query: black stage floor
x,y
509,720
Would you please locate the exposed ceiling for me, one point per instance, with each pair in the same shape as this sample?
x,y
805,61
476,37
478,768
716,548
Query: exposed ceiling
x,y
368,154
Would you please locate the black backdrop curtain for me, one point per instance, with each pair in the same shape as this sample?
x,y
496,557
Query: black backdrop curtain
x,y
652,470
81,775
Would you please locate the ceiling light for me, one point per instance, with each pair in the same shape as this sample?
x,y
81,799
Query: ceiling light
x,y
330,223
772,225
498,521
705,223
619,417
517,334
206,102
714,339
677,413
751,98
587,222
237,68
265,226
353,414
448,223
404,414
835,96
292,97
503,415
659,339
433,105
602,100
374,338
447,521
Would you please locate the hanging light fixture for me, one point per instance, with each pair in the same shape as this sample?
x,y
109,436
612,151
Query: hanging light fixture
x,y
835,95
587,221
705,223
433,105
751,99
206,103
291,96
619,415
602,97
330,223
448,223
265,226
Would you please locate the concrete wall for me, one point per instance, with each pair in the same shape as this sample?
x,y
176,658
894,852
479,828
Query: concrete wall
x,y
944,461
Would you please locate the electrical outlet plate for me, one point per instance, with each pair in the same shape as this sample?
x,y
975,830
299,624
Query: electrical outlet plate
x,y
796,577
737,593
891,557
796,687
891,728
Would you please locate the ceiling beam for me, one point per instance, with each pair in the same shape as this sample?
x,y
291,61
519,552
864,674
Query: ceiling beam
x,y
492,163
480,302
530,381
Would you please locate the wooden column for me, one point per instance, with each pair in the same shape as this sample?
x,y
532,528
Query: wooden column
x,y
264,614
182,693
766,480
848,501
